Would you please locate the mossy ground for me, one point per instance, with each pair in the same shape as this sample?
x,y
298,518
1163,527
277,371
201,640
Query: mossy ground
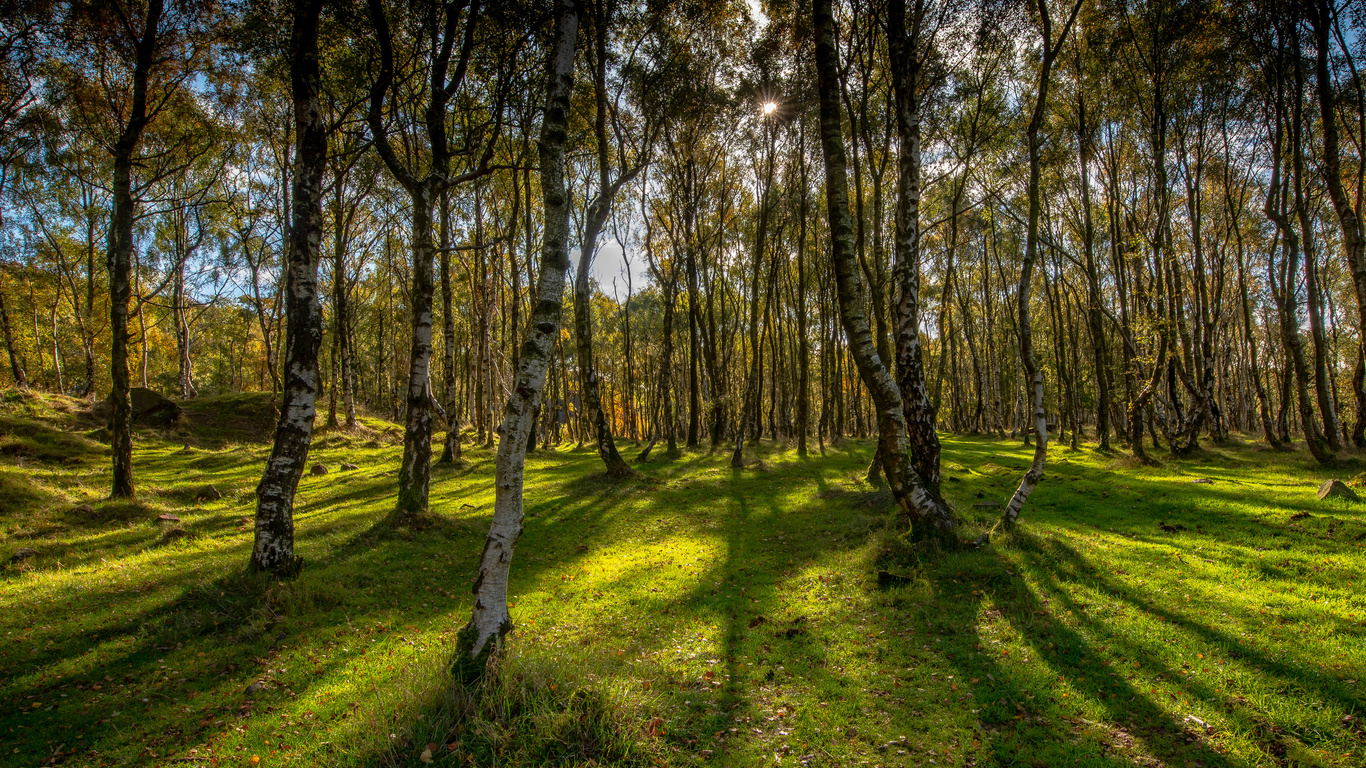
x,y
695,615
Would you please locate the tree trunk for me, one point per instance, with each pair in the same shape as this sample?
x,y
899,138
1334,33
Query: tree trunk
x,y
16,369
489,620
414,475
450,452
929,516
1094,317
1034,474
1349,219
918,409
120,256
273,550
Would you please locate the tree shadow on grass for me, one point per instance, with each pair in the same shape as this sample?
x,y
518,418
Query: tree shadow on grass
x,y
972,611
1053,559
729,592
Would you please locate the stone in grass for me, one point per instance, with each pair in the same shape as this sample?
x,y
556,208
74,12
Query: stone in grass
x,y
167,517
318,469
1203,481
22,554
1337,488
346,467
208,493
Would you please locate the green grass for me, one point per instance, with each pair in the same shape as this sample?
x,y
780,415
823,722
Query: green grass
x,y
693,616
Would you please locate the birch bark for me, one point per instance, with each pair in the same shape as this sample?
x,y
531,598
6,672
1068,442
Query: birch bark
x,y
490,621
929,516
273,549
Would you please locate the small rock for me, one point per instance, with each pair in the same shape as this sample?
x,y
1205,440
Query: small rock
x,y
348,467
256,686
1331,488
208,493
175,533
1166,528
22,554
85,509
318,469
1203,481
167,517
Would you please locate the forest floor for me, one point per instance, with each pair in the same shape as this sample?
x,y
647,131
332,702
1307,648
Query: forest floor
x,y
693,616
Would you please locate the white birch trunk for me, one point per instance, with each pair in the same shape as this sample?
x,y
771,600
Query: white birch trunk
x,y
490,621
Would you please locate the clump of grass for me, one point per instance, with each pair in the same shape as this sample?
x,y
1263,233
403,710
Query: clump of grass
x,y
529,710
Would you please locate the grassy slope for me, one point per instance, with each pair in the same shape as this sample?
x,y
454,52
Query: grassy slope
x,y
695,616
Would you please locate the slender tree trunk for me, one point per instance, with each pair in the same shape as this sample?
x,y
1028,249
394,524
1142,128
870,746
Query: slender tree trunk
x,y
803,341
1094,316
1034,474
489,620
273,550
450,452
121,252
753,395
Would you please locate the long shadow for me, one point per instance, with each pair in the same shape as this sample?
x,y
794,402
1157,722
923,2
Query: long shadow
x,y
1048,557
241,622
734,590
1019,728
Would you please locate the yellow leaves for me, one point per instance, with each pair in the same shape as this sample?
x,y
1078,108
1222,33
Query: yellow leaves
x,y
426,755
255,760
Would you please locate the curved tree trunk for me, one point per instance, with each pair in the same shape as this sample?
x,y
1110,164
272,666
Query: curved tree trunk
x,y
273,550
489,620
1034,474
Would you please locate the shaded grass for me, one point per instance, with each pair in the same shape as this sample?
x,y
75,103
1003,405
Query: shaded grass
x,y
693,615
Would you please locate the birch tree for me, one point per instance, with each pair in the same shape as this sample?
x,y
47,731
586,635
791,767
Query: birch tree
x,y
273,550
490,620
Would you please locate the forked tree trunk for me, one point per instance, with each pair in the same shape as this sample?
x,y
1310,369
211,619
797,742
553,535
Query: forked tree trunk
x,y
121,253
601,207
928,514
489,621
273,550
1348,217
